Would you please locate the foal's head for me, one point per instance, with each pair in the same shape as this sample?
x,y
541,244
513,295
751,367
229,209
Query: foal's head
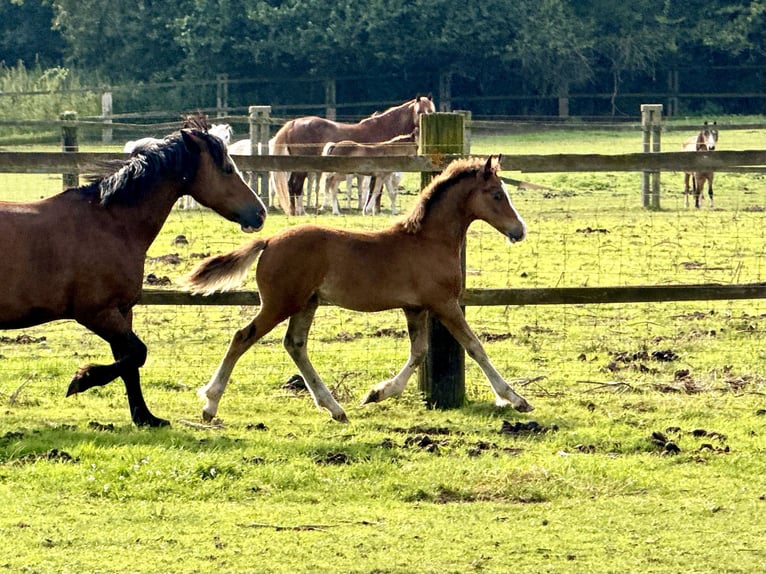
x,y
708,137
477,193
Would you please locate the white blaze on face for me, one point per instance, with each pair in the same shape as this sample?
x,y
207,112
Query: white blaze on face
x,y
521,220
710,140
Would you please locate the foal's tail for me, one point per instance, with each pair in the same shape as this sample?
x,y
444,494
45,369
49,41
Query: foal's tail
x,y
278,179
226,271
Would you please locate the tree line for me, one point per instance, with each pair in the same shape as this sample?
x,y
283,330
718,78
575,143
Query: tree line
x,y
528,47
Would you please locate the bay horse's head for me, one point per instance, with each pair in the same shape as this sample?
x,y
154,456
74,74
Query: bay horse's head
x,y
218,184
489,201
707,137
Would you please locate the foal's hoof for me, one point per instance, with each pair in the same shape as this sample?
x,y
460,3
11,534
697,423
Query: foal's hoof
x,y
372,397
206,416
340,417
524,406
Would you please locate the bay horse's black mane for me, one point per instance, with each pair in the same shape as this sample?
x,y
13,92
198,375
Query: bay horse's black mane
x,y
170,158
435,190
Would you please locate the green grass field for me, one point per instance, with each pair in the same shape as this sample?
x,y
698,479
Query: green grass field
x,y
648,457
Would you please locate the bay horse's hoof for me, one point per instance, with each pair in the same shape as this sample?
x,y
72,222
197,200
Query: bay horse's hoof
x,y
151,421
79,382
206,416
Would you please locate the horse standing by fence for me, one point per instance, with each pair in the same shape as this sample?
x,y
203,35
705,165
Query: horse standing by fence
x,y
405,145
308,135
413,265
80,254
705,140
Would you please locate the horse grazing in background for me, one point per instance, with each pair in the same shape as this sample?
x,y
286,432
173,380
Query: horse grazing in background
x,y
222,131
308,135
413,265
80,254
705,140
405,145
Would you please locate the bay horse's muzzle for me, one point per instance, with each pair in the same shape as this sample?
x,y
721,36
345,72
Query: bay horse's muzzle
x,y
252,219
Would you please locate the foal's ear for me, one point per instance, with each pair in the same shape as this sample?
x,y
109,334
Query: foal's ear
x,y
194,143
492,167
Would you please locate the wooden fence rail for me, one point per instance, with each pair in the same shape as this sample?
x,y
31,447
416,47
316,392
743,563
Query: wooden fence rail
x,y
721,161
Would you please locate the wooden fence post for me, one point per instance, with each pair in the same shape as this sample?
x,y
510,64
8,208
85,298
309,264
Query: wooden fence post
x,y
69,144
259,145
651,126
221,95
331,112
106,115
441,377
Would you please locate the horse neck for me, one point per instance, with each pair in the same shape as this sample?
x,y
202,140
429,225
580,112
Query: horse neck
x,y
143,219
391,123
447,220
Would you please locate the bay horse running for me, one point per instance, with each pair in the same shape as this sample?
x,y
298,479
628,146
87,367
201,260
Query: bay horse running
x,y
80,254
413,265
705,140
308,135
405,145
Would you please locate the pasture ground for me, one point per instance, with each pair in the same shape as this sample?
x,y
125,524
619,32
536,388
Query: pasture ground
x,y
648,455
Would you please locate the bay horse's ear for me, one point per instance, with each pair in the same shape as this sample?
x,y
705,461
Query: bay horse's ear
x,y
193,142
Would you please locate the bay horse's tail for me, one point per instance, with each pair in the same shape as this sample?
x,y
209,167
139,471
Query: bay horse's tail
x,y
278,179
226,271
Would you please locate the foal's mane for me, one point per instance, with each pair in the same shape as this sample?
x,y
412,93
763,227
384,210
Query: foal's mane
x,y
170,159
434,191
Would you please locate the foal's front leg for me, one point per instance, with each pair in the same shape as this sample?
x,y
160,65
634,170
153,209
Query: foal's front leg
x,y
296,339
452,318
417,327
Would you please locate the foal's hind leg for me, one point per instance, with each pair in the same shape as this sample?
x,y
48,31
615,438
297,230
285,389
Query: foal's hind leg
x,y
242,340
452,318
296,339
417,327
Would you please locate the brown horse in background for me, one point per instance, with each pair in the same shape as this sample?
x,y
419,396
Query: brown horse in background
x,y
80,254
308,135
413,265
406,145
705,140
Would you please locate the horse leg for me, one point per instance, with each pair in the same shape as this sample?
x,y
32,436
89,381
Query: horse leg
x,y
710,190
392,191
697,190
417,327
295,342
687,177
129,353
242,340
452,318
295,185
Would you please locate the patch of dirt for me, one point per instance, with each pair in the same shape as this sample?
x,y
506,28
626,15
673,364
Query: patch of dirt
x,y
168,259
589,230
22,339
334,458
152,279
387,332
295,384
494,337
525,428
669,446
102,427
180,240
425,442
53,455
